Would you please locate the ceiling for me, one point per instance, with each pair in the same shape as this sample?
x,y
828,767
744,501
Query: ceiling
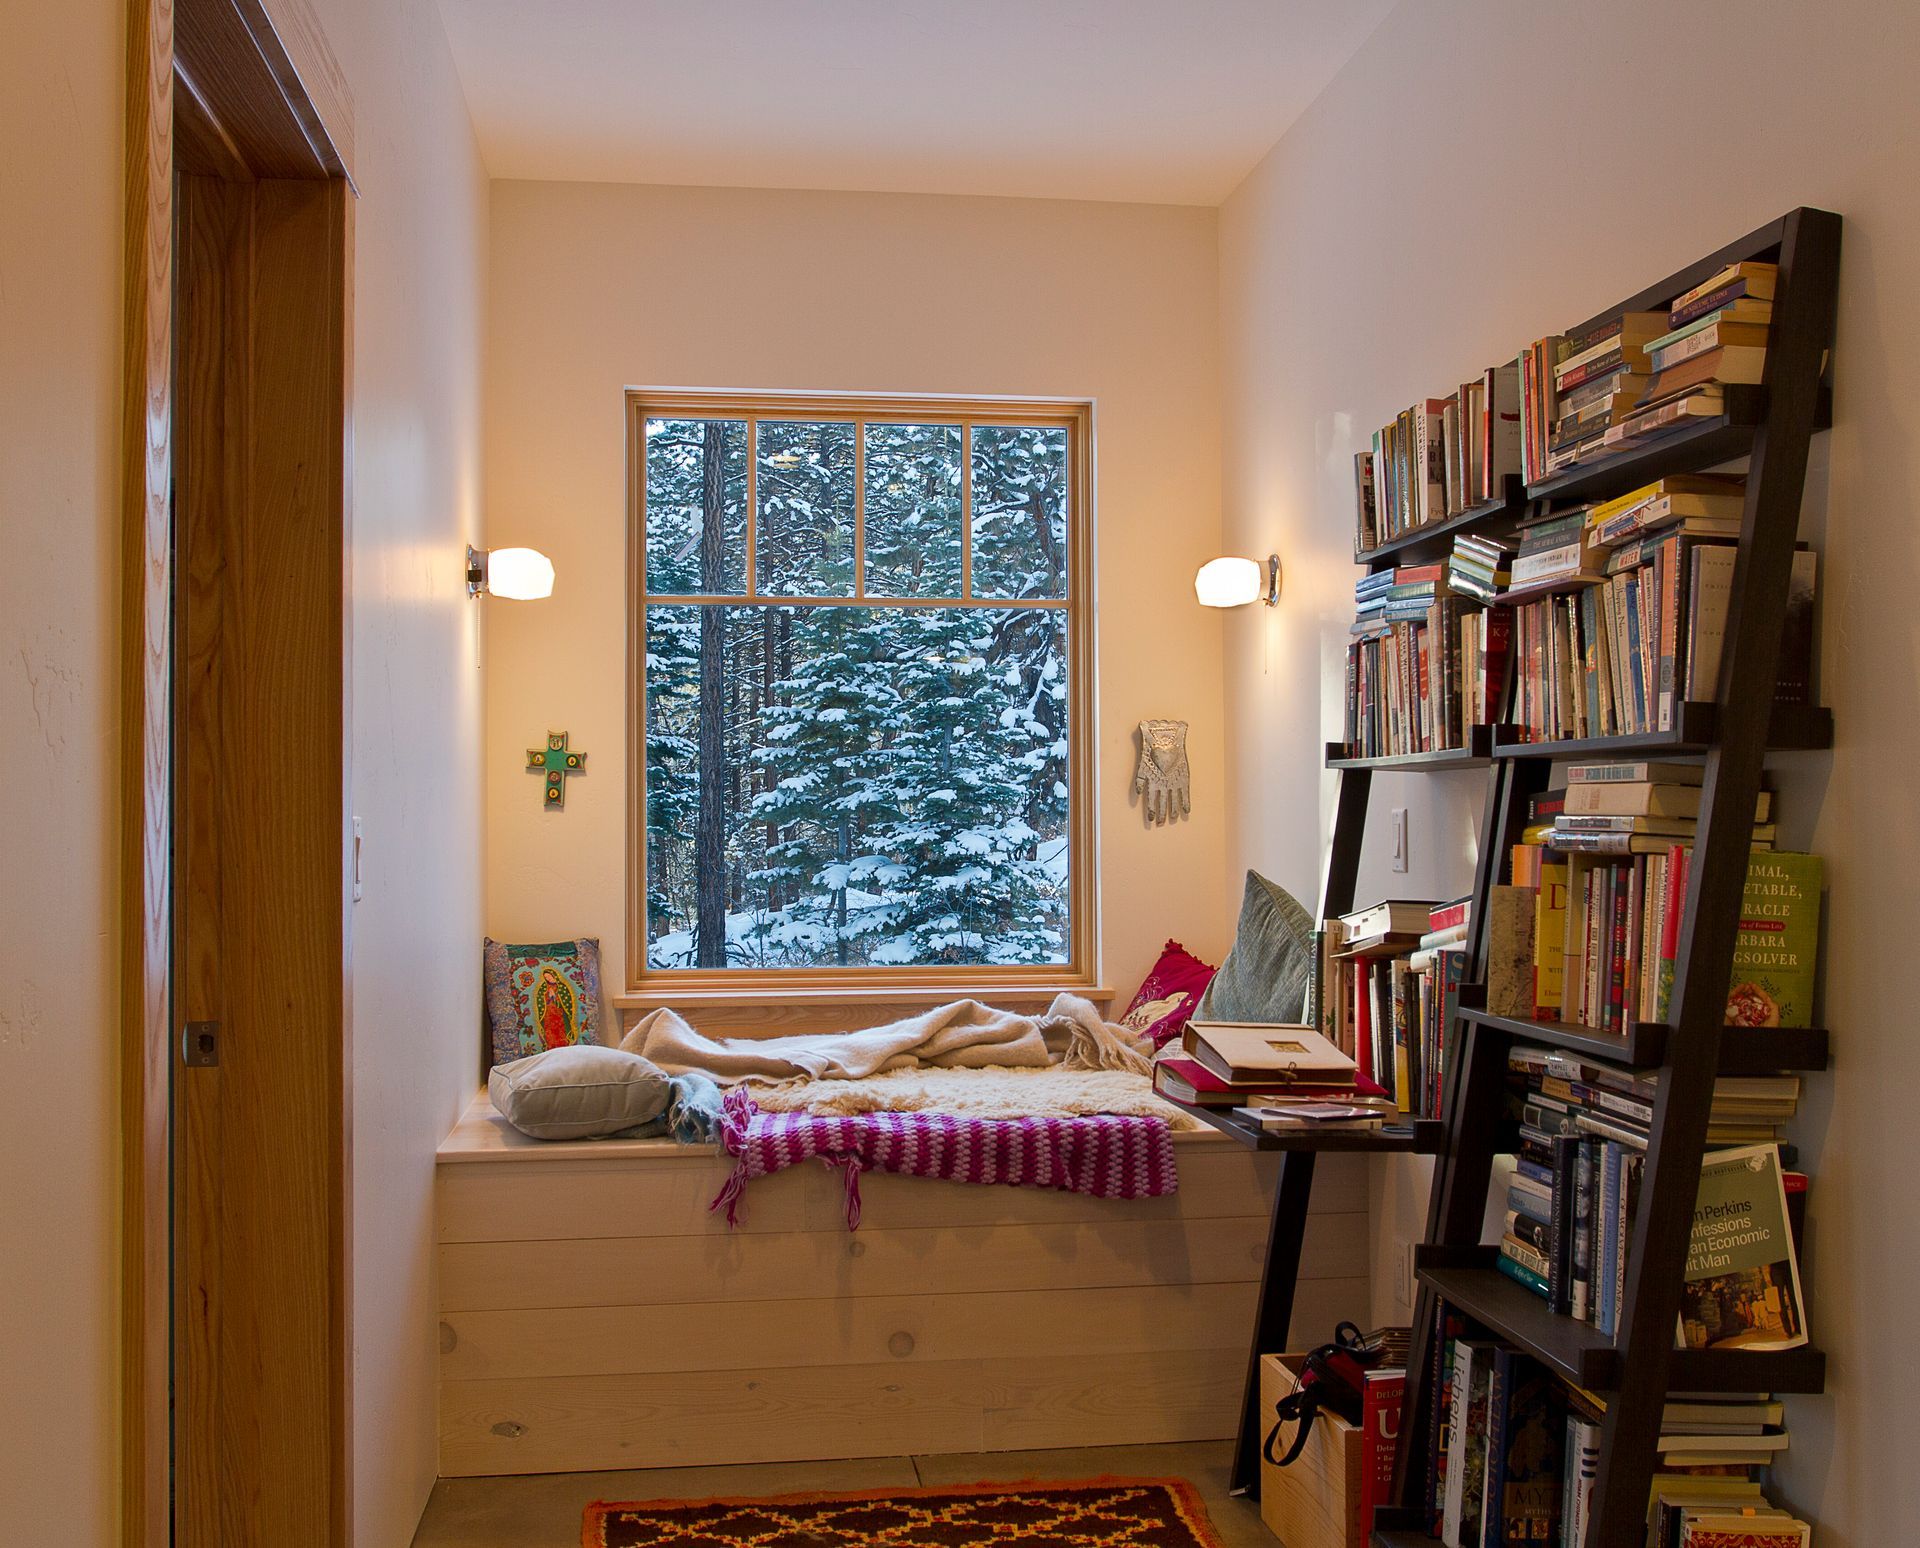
x,y
1166,101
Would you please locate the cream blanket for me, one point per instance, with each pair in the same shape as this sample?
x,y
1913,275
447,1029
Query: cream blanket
x,y
961,1035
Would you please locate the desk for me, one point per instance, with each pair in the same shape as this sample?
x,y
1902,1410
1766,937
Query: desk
x,y
1274,1310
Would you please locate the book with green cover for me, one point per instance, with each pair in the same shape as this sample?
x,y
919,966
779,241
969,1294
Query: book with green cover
x,y
1773,956
1742,1287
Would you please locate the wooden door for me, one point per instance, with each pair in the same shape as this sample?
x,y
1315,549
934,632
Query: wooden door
x,y
261,1089
259,1048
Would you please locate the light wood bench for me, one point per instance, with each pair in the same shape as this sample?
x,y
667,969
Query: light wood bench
x,y
594,1314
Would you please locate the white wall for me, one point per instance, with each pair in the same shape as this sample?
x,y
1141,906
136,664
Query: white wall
x,y
60,181
416,703
596,287
419,287
1479,174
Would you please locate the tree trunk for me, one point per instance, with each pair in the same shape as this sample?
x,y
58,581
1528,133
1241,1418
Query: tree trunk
x,y
769,677
709,841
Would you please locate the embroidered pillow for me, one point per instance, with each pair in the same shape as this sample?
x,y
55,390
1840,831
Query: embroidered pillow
x,y
1168,996
541,997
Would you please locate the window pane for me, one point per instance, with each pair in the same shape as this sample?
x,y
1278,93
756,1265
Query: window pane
x,y
1019,512
913,510
879,786
806,509
696,506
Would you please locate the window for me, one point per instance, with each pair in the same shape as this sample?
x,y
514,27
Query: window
x,y
860,717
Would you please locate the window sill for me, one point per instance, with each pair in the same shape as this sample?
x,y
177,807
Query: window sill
x,y
775,1010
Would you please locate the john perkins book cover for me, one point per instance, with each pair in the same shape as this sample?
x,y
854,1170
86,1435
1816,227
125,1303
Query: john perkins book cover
x,y
1742,1287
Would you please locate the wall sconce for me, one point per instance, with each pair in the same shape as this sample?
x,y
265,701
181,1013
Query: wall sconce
x,y
523,574
1236,582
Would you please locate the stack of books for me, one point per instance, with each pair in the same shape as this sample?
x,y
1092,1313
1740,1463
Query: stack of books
x,y
1600,383
1556,552
1253,1064
1511,1454
1715,336
1479,567
1438,458
1643,373
1576,1176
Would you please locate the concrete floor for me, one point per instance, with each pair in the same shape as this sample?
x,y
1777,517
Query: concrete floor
x,y
544,1510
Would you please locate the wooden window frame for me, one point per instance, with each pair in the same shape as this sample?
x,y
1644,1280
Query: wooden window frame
x,y
648,986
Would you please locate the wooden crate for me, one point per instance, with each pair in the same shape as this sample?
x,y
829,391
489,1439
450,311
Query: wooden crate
x,y
1314,1502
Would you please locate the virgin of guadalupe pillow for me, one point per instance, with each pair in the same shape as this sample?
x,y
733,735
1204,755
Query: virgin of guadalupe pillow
x,y
1265,976
1168,995
541,997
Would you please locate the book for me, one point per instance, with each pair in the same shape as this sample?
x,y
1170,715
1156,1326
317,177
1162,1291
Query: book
x,y
1744,1529
1580,1469
1526,1430
1774,953
1510,951
1252,1053
1382,1394
1742,1282
1465,1498
1275,1117
1635,774
1188,1081
1646,799
1400,916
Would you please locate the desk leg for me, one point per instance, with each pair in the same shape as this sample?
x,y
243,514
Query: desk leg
x,y
1275,1311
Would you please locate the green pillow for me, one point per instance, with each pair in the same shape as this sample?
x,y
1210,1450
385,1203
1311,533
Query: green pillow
x,y
1266,975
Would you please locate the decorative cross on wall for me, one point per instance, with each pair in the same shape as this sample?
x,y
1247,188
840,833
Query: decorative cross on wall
x,y
556,762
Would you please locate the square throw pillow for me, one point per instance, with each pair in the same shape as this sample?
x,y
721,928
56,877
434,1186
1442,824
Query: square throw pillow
x,y
1266,975
541,997
1168,995
578,1093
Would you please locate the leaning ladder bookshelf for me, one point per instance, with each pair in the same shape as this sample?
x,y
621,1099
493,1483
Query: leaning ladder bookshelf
x,y
1771,426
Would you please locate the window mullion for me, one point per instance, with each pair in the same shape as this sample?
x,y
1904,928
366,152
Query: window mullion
x,y
966,512
753,505
859,508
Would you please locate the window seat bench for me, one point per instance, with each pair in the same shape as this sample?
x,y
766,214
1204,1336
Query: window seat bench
x,y
594,1314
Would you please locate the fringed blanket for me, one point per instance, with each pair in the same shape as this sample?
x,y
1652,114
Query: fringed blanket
x,y
1106,1157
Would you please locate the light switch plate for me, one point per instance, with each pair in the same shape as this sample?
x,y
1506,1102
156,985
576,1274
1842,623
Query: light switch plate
x,y
1400,838
356,859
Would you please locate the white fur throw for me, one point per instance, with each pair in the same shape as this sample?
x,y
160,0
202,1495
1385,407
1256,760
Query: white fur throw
x,y
1054,1092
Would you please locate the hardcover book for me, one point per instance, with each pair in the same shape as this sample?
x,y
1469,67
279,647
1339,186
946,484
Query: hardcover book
x,y
1773,955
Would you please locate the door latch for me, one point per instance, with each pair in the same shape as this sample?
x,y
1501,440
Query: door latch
x,y
200,1045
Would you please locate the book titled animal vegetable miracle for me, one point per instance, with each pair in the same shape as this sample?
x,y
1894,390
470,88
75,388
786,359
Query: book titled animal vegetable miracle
x,y
1773,956
1742,1287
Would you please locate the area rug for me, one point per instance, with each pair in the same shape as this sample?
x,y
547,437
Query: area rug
x,y
1088,1513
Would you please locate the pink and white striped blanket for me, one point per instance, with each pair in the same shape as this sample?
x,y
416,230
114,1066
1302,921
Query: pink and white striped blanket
x,y
1105,1156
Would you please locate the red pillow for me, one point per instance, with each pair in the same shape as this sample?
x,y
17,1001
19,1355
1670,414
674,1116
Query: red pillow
x,y
1167,999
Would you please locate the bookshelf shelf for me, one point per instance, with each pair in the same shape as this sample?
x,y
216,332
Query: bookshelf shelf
x,y
1435,539
1685,449
1791,728
1746,1051
1474,755
1420,1137
1466,1279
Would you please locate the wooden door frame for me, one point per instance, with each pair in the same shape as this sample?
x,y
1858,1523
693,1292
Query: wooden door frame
x,y
274,85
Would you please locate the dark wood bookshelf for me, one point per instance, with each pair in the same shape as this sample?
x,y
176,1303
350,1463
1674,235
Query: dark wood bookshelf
x,y
1474,755
1434,540
1466,1280
1770,425
1643,1046
1790,728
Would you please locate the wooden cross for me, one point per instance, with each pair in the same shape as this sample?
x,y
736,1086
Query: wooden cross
x,y
556,763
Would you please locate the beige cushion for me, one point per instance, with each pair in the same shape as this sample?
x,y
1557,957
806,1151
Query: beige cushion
x,y
582,1092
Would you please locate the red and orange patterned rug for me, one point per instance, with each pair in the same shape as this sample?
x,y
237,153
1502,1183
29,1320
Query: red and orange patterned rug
x,y
1089,1513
